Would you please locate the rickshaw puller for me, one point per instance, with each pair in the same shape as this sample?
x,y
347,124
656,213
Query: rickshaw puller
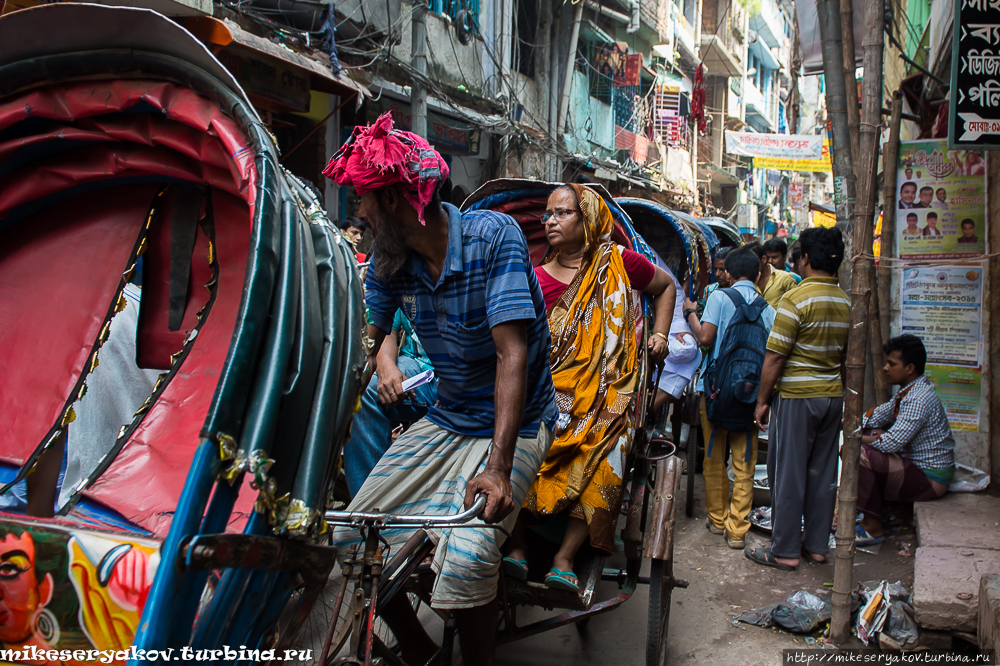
x,y
467,285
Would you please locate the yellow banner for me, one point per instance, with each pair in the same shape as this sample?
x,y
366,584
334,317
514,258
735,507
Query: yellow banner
x,y
823,165
821,219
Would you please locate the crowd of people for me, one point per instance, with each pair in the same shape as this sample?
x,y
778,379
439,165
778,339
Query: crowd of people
x,y
535,381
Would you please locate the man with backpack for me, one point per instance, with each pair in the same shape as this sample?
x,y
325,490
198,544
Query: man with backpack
x,y
805,362
736,324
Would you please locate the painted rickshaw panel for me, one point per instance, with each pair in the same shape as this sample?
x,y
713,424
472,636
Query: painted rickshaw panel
x,y
98,162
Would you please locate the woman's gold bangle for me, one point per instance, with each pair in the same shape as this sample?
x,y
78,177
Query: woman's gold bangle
x,y
661,335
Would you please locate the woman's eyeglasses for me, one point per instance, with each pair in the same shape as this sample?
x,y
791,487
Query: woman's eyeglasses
x,y
559,214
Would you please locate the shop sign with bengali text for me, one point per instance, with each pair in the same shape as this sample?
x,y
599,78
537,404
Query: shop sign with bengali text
x,y
779,146
822,165
826,220
940,202
974,111
268,78
446,135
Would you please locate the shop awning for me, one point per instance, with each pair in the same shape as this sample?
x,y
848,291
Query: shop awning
x,y
227,34
809,39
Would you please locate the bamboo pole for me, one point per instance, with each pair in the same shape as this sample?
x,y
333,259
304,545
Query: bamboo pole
x,y
850,80
875,340
857,343
880,306
853,122
890,153
836,107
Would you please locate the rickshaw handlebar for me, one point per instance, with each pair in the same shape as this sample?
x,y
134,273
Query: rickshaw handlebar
x,y
358,519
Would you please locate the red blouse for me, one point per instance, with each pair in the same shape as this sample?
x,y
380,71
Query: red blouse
x,y
639,269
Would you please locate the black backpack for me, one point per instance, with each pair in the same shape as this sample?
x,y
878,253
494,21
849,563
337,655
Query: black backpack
x,y
732,379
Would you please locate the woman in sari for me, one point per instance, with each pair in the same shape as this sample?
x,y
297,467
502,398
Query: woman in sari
x,y
587,281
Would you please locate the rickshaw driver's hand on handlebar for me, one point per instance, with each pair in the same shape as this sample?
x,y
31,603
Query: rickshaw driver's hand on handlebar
x,y
511,340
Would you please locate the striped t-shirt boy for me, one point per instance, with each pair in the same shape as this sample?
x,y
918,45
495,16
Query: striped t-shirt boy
x,y
810,330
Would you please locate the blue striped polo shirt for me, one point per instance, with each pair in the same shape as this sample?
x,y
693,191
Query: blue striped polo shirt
x,y
487,279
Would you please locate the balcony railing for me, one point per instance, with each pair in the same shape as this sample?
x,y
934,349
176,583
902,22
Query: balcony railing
x,y
769,23
733,34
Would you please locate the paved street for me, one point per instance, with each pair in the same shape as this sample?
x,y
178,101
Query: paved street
x,y
723,583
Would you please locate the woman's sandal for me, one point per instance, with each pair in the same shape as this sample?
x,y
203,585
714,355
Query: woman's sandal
x,y
562,580
516,569
765,557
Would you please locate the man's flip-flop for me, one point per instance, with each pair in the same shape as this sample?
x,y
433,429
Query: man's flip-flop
x,y
516,569
862,538
562,580
765,557
808,558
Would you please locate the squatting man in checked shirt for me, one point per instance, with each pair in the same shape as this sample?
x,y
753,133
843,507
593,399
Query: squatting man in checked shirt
x,y
466,284
907,450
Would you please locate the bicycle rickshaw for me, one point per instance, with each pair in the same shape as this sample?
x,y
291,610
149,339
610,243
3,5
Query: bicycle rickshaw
x,y
687,246
653,473
130,156
353,630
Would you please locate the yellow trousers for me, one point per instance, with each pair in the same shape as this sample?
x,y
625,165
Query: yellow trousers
x,y
725,513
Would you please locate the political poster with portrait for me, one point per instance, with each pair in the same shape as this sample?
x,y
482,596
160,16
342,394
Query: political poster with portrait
x,y
940,202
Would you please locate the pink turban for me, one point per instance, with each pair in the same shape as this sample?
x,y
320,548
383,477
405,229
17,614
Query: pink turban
x,y
377,156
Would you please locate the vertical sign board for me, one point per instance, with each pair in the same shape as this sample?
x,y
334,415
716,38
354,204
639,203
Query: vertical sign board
x,y
974,111
941,218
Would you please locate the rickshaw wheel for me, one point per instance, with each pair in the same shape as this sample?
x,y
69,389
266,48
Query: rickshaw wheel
x,y
661,586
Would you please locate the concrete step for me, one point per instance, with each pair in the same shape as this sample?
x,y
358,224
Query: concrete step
x,y
959,541
968,520
989,613
946,586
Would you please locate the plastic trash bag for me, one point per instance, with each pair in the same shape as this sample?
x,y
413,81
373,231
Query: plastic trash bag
x,y
801,613
969,479
760,617
806,600
900,626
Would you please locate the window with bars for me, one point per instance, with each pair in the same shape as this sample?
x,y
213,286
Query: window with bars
x,y
527,36
453,7
601,63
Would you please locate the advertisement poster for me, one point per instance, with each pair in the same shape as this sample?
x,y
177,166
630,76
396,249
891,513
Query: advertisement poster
x,y
960,392
940,202
795,195
943,306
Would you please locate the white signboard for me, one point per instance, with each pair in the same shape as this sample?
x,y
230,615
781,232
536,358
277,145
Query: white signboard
x,y
942,306
782,146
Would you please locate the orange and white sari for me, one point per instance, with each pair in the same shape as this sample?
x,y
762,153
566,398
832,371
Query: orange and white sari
x,y
595,373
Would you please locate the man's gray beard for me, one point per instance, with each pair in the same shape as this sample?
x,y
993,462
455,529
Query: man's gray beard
x,y
388,247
